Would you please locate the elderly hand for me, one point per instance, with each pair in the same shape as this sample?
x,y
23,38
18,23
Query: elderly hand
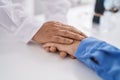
x,y
58,33
63,53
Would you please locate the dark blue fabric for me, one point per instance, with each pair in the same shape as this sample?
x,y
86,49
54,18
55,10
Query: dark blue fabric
x,y
100,56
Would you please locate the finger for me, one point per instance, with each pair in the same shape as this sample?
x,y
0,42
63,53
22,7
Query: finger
x,y
72,57
58,46
61,40
53,49
70,28
47,49
63,54
69,34
48,45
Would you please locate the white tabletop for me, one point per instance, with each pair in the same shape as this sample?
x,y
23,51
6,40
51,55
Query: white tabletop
x,y
19,61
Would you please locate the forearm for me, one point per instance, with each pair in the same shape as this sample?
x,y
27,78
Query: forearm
x,y
100,56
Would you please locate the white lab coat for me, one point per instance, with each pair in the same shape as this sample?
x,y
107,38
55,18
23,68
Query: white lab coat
x,y
56,10
14,18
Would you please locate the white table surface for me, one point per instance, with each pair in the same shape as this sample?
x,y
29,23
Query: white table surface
x,y
19,61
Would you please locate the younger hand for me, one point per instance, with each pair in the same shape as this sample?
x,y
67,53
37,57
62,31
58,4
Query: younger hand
x,y
63,48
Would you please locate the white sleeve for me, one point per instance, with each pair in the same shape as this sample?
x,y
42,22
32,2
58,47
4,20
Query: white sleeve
x,y
14,19
56,10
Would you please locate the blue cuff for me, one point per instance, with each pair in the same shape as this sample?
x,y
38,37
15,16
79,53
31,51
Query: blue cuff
x,y
87,45
85,50
100,56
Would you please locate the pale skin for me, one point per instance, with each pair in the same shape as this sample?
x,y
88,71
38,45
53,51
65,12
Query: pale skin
x,y
54,49
56,32
64,48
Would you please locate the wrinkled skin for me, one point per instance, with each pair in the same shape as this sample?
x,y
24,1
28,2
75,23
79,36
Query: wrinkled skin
x,y
56,32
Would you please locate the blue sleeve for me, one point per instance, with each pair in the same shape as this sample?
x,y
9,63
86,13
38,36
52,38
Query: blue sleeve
x,y
100,56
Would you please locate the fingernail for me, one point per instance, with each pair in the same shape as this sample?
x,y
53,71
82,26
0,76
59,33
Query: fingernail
x,y
72,57
63,54
81,37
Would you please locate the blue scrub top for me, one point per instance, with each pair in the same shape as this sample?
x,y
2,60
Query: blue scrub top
x,y
100,56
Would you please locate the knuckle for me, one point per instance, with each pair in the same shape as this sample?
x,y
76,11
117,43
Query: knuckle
x,y
57,30
66,40
50,24
80,31
65,32
56,38
76,35
57,24
47,24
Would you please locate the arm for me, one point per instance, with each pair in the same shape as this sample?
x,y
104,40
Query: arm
x,y
14,19
100,56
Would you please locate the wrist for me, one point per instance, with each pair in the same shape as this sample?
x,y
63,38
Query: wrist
x,y
36,37
74,48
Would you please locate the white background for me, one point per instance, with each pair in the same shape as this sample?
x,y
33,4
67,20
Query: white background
x,y
19,61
